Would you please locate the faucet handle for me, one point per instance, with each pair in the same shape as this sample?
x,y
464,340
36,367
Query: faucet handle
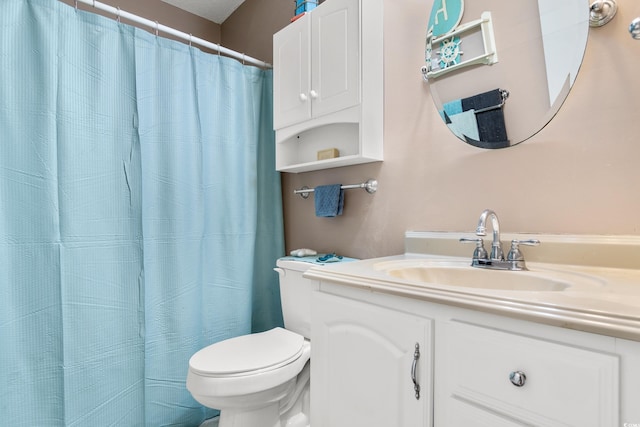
x,y
480,252
515,254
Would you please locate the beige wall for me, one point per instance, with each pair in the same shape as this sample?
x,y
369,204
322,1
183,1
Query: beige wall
x,y
251,27
579,175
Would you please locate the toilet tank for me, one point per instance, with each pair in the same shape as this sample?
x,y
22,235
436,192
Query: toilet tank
x,y
295,295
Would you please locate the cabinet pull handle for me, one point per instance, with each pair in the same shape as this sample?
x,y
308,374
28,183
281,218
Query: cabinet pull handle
x,y
517,378
303,97
313,94
414,365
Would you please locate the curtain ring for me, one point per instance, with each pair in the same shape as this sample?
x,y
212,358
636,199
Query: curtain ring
x,y
243,59
190,39
76,4
94,3
157,28
118,15
219,49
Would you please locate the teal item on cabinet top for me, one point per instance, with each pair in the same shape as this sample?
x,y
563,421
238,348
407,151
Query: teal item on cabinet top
x,y
322,259
305,6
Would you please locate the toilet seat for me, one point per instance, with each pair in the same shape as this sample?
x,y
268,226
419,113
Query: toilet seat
x,y
247,364
245,354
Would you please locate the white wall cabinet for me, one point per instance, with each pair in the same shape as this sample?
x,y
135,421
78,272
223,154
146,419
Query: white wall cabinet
x,y
323,98
362,344
364,362
318,64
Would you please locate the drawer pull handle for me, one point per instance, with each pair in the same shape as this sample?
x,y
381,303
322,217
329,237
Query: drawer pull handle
x,y
517,378
416,356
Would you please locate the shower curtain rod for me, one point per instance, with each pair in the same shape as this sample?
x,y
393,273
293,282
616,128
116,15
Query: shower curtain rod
x,y
119,13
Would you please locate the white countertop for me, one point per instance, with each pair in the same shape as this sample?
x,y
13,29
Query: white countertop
x,y
609,303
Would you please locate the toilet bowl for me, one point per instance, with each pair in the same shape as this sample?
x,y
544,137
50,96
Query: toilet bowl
x,y
262,379
249,378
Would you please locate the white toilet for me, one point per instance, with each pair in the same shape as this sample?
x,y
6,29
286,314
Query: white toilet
x,y
262,380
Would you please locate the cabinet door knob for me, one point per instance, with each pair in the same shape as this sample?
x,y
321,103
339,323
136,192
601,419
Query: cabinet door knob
x,y
313,94
303,97
517,378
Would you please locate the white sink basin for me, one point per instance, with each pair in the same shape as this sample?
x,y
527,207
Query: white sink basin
x,y
458,274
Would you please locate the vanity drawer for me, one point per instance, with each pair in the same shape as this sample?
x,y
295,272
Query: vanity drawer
x,y
560,384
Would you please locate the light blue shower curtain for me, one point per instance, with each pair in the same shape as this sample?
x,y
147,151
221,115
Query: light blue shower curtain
x,y
140,217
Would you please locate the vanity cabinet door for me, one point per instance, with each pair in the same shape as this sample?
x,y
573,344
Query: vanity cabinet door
x,y
362,364
488,377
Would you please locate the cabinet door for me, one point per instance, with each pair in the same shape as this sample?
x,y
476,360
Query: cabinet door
x,y
291,74
361,370
559,384
335,56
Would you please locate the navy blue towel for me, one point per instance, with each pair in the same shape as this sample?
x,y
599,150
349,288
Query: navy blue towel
x,y
329,200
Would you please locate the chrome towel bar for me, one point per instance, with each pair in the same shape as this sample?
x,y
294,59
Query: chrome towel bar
x,y
371,186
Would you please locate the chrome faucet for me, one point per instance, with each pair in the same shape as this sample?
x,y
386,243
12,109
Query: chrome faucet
x,y
495,260
481,230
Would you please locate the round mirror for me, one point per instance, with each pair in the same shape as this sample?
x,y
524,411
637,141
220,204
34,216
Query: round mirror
x,y
499,70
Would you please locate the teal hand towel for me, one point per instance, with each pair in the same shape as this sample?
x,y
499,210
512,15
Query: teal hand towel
x,y
464,125
451,109
329,200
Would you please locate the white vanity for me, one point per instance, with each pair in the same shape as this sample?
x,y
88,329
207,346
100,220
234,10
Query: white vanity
x,y
558,345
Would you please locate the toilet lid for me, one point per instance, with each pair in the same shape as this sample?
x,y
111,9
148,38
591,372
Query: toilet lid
x,y
265,350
